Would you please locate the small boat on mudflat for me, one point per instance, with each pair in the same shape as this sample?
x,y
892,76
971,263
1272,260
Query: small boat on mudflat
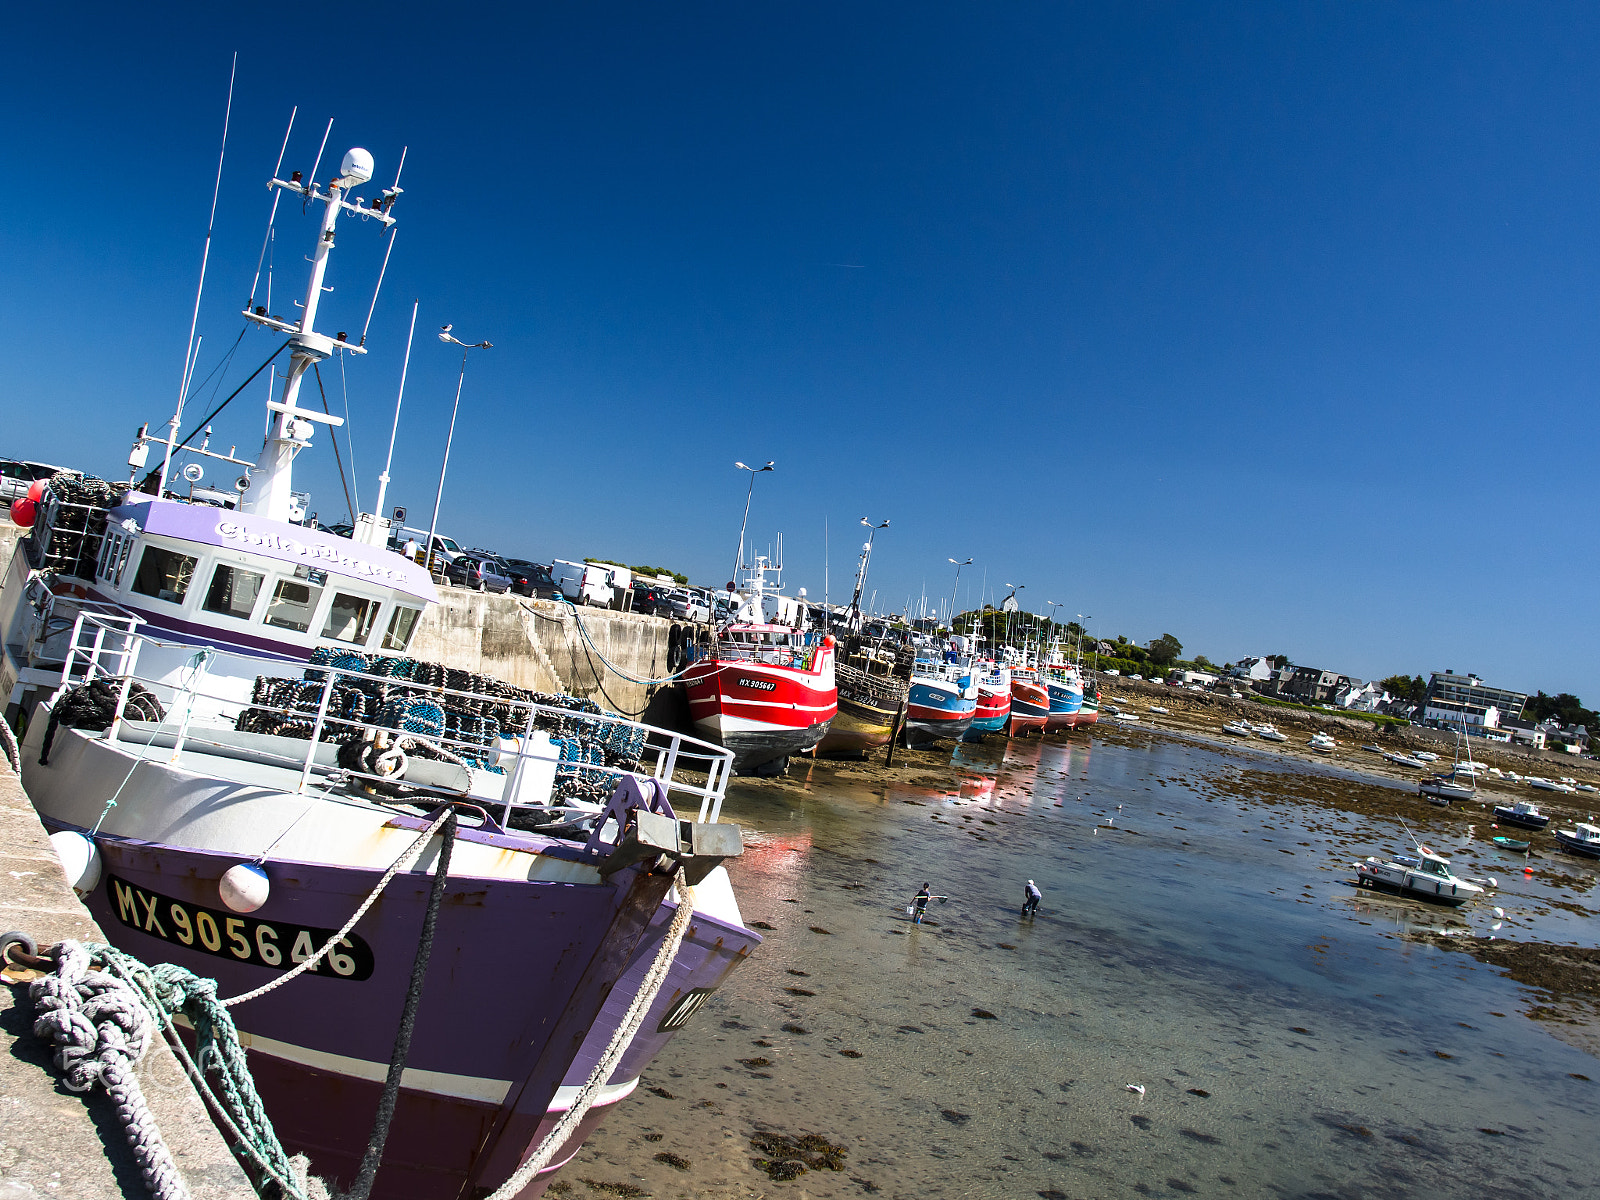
x,y
1512,844
1524,814
1421,876
1406,760
1269,732
1239,729
1322,743
1582,838
1451,785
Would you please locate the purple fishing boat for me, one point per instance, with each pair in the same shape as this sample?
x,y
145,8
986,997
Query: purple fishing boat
x,y
261,787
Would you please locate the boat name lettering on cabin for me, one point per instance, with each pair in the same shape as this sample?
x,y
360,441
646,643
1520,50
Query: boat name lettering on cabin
x,y
274,944
276,543
761,685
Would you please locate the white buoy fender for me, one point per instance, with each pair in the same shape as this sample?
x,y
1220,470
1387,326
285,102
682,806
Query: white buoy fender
x,y
244,887
80,859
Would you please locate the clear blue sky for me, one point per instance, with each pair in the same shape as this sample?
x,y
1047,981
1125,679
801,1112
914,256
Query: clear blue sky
x,y
1271,326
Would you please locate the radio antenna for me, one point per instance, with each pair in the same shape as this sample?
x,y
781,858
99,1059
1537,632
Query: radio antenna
x,y
273,215
205,258
386,200
311,180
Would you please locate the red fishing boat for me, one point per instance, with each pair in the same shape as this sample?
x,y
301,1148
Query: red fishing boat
x,y
766,690
1030,701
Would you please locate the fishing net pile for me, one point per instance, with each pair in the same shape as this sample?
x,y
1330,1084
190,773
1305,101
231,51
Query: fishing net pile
x,y
875,690
425,704
72,522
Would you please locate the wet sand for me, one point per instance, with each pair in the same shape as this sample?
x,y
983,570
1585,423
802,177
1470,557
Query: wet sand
x,y
1199,938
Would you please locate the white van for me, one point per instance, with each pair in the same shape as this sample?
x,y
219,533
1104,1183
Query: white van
x,y
584,583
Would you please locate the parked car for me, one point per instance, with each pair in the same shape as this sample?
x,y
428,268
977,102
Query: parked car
x,y
687,606
483,572
445,550
16,474
649,598
532,579
584,583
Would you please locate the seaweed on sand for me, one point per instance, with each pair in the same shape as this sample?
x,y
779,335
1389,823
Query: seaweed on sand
x,y
787,1156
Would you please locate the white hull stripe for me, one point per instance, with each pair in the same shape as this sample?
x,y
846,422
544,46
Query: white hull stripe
x,y
765,704
439,1083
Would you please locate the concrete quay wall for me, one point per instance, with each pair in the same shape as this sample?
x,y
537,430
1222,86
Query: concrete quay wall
x,y
537,644
52,1142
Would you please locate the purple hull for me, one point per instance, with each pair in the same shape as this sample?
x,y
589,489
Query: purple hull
x,y
709,951
496,1032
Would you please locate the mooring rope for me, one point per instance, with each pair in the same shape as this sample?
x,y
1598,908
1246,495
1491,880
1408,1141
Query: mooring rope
x,y
100,1030
578,620
373,1158
13,751
584,1101
413,852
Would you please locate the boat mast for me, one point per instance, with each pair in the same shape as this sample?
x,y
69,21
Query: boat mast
x,y
290,427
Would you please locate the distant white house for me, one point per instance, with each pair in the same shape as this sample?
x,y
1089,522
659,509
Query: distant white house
x,y
1254,669
1191,677
1362,697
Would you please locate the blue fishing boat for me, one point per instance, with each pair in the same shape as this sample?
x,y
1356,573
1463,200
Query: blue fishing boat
x,y
943,699
1065,685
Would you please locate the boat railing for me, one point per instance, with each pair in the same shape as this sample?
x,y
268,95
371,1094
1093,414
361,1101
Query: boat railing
x,y
802,658
323,708
104,640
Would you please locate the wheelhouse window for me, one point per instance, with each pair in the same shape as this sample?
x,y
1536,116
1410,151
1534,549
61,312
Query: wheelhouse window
x,y
233,591
293,601
351,618
164,574
401,626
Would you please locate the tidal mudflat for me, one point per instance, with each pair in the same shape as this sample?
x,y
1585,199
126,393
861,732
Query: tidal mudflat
x,y
1200,939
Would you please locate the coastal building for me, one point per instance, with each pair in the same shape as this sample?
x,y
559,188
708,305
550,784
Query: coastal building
x,y
1362,697
1465,701
1311,685
1514,729
1256,670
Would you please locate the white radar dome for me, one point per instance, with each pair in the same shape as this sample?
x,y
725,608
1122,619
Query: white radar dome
x,y
357,166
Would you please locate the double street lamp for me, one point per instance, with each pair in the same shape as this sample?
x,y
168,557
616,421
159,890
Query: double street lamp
x,y
433,526
754,471
954,588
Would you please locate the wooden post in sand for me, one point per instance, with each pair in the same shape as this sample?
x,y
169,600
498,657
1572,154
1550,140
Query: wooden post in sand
x,y
895,731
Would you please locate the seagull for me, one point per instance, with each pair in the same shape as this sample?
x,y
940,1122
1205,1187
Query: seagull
x,y
1136,1087
1499,912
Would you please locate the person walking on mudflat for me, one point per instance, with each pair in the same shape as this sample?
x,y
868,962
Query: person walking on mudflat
x,y
1030,899
920,903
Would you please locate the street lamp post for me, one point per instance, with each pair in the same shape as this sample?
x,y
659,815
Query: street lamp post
x,y
433,526
1083,628
861,571
754,471
954,588
1009,606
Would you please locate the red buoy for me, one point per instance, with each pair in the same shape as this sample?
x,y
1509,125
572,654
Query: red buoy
x,y
22,512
